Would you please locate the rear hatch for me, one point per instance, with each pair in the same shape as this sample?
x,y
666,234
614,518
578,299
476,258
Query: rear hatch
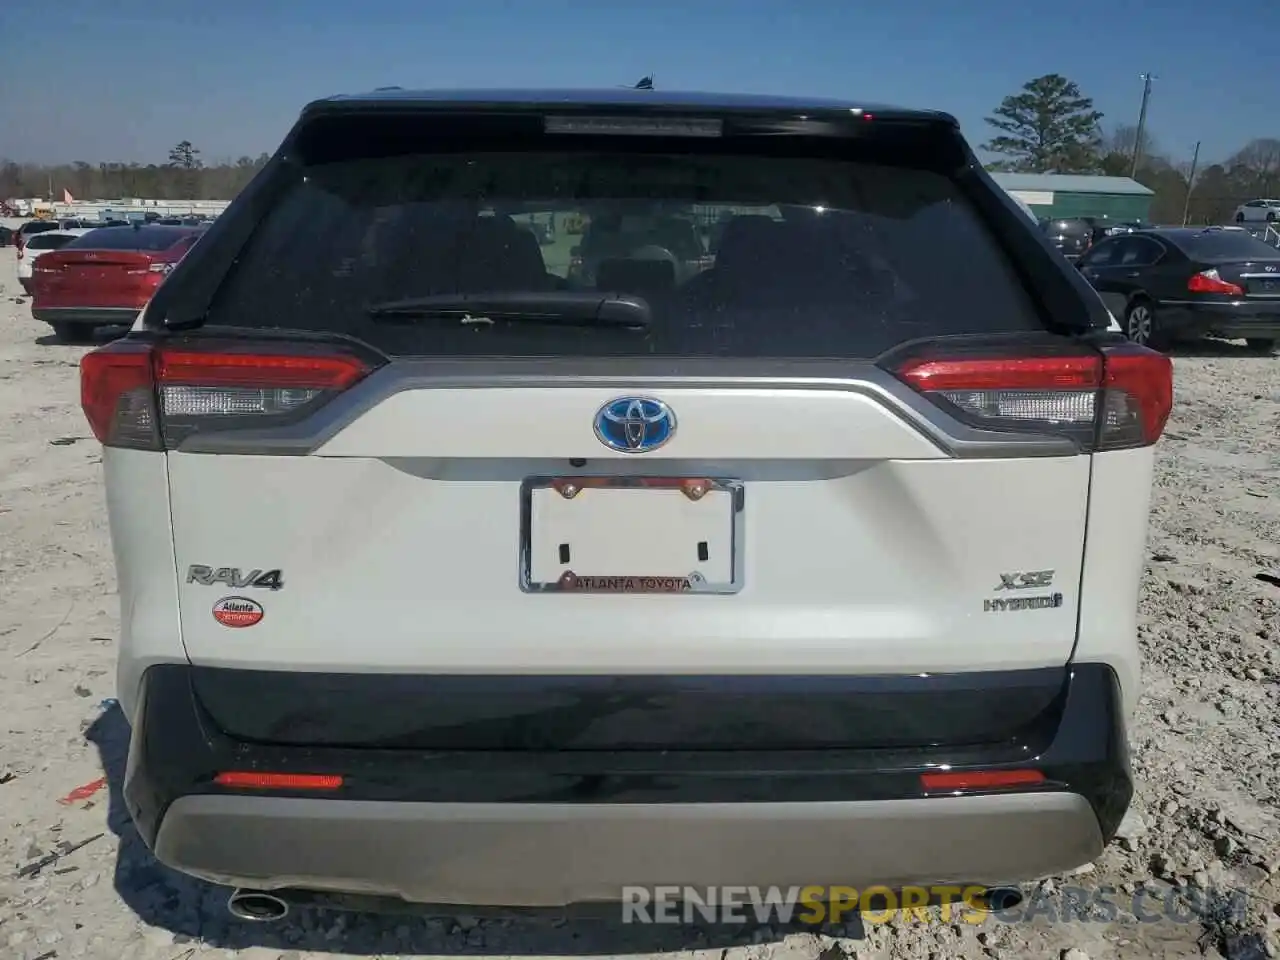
x,y
850,448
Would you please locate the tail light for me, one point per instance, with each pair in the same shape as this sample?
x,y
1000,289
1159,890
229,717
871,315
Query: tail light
x,y
1209,281
150,397
1114,398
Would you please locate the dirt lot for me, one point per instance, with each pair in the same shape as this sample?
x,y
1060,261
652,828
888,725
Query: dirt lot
x,y
1206,745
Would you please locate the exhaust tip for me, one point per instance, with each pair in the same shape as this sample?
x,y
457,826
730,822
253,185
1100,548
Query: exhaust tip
x,y
998,899
256,906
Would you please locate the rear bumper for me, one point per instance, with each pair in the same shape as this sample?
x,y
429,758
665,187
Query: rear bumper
x,y
28,285
1241,319
88,316
535,828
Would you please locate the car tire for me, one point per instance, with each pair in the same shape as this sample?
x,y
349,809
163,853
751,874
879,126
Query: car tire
x,y
1271,217
1142,326
72,332
1263,345
1239,218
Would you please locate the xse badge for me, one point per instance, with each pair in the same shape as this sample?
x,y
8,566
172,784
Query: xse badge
x,y
1025,580
232,577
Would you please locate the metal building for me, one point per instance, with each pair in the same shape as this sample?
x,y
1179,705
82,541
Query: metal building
x,y
1054,195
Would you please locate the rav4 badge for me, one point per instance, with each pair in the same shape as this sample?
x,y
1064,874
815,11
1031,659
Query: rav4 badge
x,y
238,612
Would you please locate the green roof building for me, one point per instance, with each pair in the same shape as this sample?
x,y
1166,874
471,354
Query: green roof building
x,y
1054,195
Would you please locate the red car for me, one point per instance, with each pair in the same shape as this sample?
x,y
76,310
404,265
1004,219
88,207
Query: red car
x,y
105,277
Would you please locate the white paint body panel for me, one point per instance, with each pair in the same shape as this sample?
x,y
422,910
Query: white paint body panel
x,y
879,565
1119,506
137,513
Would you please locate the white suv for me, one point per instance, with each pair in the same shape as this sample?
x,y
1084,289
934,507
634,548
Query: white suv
x,y
447,578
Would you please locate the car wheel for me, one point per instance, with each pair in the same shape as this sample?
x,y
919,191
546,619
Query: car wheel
x,y
1239,218
1271,217
1142,327
1262,345
72,332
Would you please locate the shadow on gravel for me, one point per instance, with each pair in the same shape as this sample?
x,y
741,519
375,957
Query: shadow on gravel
x,y
97,336
194,911
1213,348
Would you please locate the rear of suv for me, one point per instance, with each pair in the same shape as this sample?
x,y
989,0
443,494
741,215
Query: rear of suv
x,y
449,576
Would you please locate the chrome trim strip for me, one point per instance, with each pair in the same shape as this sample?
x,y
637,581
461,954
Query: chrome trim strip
x,y
633,375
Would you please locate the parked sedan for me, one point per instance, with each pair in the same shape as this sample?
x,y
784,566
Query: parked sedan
x,y
1179,283
1268,211
105,277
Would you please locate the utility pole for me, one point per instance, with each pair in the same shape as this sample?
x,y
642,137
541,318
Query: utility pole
x,y
1142,122
1191,179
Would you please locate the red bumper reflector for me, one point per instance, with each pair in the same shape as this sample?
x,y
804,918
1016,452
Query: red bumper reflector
x,y
980,779
278,781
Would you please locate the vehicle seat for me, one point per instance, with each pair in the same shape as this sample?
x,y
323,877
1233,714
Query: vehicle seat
x,y
747,246
647,278
492,253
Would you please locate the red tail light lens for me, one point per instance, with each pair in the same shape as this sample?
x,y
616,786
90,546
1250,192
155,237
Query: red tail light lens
x,y
253,780
151,397
1110,399
1209,281
981,779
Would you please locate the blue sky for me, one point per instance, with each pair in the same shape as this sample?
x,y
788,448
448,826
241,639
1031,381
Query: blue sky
x,y
126,79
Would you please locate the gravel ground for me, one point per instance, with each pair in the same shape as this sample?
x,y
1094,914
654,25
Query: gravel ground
x,y
1202,846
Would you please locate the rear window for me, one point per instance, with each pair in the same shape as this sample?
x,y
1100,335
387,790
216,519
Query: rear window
x,y
1226,245
31,228
1070,227
735,255
148,239
48,241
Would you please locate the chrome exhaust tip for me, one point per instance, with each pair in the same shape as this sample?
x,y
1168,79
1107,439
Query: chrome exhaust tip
x,y
997,899
257,906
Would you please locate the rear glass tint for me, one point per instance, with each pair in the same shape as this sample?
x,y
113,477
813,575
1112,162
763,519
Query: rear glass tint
x,y
48,241
735,255
147,239
1226,245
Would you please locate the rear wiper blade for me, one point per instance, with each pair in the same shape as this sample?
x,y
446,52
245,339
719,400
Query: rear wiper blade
x,y
574,308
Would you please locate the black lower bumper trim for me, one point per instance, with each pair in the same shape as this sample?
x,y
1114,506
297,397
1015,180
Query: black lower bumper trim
x,y
1078,743
575,712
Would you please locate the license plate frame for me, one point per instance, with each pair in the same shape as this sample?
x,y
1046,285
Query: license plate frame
x,y
642,582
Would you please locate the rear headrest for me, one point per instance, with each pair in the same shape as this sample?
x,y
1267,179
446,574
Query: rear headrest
x,y
645,277
745,242
495,254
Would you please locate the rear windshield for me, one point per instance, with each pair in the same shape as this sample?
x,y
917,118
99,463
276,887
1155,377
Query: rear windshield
x,y
31,228
735,255
48,241
1226,245
128,238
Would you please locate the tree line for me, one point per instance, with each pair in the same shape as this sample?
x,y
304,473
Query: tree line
x,y
1049,126
184,176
